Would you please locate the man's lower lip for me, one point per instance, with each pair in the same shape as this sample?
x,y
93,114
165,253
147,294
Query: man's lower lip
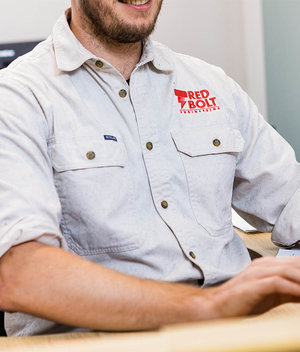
x,y
139,7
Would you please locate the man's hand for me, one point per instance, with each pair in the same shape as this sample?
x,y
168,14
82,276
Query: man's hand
x,y
266,283
56,285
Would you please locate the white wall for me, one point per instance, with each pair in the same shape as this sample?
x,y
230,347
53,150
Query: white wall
x,y
227,33
209,29
28,20
255,62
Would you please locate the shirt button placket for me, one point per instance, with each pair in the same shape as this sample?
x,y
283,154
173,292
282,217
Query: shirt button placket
x,y
99,63
164,204
192,255
123,93
149,146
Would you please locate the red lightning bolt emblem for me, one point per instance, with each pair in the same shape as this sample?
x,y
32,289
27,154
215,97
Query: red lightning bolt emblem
x,y
182,95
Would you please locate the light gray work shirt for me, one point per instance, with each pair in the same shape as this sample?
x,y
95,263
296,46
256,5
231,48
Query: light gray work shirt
x,y
139,178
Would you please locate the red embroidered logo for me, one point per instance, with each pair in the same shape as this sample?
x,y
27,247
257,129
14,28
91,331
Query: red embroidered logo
x,y
196,101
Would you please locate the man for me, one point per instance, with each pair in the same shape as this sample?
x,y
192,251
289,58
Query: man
x,y
119,162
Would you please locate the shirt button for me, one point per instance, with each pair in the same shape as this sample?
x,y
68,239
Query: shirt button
x,y
149,146
122,93
216,142
193,255
99,64
164,204
90,155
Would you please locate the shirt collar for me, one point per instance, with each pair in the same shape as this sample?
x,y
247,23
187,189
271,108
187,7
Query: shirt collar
x,y
156,53
71,54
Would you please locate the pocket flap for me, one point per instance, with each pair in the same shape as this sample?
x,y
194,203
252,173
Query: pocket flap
x,y
83,153
208,140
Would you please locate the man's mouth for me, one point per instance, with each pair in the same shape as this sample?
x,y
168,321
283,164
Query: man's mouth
x,y
134,2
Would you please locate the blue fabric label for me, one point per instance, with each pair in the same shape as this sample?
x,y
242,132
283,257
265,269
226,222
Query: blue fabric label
x,y
110,138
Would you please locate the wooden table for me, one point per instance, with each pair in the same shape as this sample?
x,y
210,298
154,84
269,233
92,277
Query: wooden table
x,y
259,242
277,330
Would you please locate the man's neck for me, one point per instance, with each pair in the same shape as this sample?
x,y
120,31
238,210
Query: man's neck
x,y
124,57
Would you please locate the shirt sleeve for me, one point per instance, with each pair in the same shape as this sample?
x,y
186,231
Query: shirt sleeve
x,y
267,180
29,208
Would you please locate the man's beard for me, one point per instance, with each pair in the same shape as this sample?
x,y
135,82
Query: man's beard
x,y
105,23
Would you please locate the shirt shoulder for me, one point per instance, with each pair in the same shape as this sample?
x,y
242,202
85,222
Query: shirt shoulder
x,y
187,63
192,75
36,63
24,88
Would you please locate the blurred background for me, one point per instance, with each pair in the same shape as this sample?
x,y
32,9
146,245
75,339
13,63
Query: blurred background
x,y
255,41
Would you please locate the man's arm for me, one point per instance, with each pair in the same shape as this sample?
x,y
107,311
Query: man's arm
x,y
56,285
266,189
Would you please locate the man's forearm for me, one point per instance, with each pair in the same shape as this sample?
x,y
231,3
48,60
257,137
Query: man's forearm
x,y
56,285
53,284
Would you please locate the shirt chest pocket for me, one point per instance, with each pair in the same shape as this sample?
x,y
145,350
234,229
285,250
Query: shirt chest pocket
x,y
96,195
84,153
209,159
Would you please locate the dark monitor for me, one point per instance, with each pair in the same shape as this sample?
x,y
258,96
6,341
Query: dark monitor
x,y
2,330
9,52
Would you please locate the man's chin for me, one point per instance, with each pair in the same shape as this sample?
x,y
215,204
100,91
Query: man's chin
x,y
129,34
113,25
128,39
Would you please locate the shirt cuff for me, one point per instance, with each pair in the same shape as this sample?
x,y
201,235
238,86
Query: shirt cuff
x,y
286,232
19,234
